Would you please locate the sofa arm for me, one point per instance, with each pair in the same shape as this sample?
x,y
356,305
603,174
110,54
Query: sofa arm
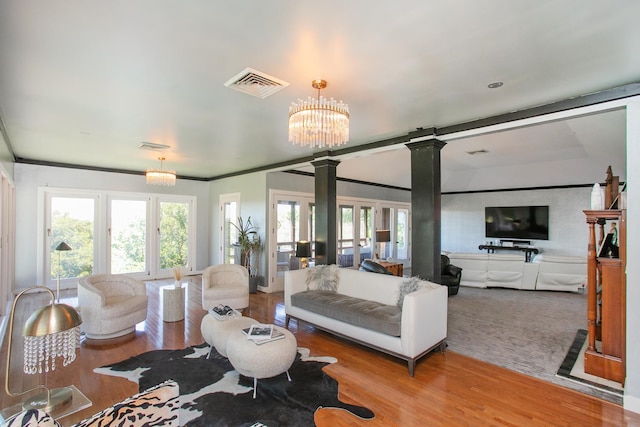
x,y
294,282
424,319
453,270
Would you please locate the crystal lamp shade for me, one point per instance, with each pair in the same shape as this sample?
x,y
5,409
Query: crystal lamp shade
x,y
319,123
50,332
161,177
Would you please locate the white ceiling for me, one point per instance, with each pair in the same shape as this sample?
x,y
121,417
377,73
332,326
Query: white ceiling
x,y
85,82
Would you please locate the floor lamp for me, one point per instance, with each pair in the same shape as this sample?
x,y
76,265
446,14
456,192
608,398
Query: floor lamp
x,y
50,332
62,247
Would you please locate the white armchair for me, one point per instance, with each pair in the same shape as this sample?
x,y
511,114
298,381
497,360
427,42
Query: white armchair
x,y
111,305
226,284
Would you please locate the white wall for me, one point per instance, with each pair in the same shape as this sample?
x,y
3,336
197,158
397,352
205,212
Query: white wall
x,y
6,159
463,227
29,178
306,184
632,385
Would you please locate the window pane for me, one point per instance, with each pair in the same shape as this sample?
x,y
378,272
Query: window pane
x,y
230,232
72,222
345,237
174,234
287,233
366,227
402,230
128,236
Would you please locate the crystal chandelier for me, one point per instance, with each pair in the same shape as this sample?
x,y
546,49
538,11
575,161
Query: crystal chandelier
x,y
319,123
161,176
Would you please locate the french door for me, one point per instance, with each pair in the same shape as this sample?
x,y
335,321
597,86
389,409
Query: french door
x,y
292,219
355,232
143,236
396,219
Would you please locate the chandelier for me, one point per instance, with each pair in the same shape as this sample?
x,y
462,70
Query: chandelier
x,y
320,122
161,176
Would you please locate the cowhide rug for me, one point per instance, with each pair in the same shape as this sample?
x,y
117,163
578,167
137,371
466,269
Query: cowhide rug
x,y
212,393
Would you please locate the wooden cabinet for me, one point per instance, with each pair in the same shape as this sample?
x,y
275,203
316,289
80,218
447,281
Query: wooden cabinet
x,y
394,267
606,298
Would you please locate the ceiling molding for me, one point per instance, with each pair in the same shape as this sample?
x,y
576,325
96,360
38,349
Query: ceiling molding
x,y
97,169
607,95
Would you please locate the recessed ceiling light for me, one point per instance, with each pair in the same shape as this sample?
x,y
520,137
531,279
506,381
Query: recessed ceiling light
x,y
495,85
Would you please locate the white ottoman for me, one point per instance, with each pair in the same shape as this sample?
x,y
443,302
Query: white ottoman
x,y
261,361
216,332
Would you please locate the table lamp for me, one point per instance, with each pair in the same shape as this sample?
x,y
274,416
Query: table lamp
x,y
382,237
50,332
303,251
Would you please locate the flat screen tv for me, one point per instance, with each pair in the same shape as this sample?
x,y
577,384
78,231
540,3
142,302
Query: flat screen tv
x,y
517,222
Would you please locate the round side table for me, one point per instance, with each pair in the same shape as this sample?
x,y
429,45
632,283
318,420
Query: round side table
x,y
172,303
264,360
216,332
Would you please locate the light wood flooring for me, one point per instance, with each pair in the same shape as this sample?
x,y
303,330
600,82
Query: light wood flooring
x,y
448,389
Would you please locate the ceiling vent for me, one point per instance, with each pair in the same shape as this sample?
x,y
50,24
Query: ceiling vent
x,y
473,153
153,147
255,83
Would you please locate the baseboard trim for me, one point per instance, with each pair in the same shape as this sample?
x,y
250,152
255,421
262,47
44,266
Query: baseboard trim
x,y
632,403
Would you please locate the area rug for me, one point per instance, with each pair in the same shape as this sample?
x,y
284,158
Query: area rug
x,y
212,393
572,367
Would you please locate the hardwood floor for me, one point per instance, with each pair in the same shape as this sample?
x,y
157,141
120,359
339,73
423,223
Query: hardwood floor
x,y
448,389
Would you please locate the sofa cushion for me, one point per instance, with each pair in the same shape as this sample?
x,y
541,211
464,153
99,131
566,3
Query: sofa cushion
x,y
408,285
356,311
323,278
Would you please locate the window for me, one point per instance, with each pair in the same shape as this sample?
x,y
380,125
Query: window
x,y
128,236
111,233
71,220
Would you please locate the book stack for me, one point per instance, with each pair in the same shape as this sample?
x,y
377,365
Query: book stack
x,y
224,312
262,334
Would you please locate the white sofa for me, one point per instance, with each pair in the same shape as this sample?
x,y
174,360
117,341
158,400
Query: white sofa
x,y
554,273
423,317
561,273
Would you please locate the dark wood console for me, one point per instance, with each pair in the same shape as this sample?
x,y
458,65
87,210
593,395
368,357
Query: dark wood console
x,y
528,250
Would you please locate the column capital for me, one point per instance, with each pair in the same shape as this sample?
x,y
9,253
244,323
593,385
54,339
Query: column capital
x,y
426,143
325,162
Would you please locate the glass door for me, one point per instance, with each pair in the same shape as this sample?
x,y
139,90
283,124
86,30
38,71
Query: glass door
x,y
292,220
355,232
70,220
396,219
345,236
174,236
229,213
287,233
128,245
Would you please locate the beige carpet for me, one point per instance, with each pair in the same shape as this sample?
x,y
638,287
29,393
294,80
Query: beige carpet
x,y
526,331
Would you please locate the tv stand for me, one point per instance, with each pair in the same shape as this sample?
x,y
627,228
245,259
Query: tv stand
x,y
517,245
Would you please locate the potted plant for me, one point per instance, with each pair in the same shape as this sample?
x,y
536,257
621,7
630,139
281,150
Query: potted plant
x,y
251,247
